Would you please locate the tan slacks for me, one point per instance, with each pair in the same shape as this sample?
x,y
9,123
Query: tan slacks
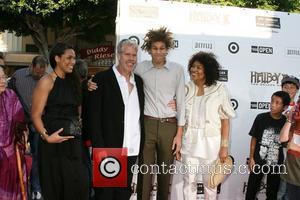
x,y
157,150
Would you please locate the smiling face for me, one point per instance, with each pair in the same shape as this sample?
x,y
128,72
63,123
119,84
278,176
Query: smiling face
x,y
127,58
291,89
197,72
66,61
158,52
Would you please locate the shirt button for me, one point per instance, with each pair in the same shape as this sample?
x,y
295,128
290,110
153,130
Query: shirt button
x,y
206,121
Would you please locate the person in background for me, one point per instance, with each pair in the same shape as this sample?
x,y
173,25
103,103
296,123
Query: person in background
x,y
55,115
289,84
208,111
81,69
23,82
290,133
265,147
13,134
115,114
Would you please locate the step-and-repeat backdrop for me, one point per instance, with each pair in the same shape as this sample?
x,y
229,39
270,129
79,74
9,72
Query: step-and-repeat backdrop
x,y
256,49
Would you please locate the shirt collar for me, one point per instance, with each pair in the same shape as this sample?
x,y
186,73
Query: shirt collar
x,y
207,89
167,65
28,71
117,73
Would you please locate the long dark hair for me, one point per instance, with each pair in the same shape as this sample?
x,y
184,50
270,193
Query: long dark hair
x,y
58,50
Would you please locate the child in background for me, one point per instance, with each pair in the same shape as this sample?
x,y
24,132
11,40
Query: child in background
x,y
291,133
289,84
265,148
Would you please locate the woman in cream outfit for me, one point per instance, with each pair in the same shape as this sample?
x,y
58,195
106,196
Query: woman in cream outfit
x,y
206,133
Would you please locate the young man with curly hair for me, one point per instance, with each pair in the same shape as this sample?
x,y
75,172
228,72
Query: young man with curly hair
x,y
163,82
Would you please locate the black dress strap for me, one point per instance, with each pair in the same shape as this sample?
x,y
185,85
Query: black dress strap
x,y
55,73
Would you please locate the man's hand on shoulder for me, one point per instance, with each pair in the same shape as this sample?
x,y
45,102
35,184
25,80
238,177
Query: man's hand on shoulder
x,y
92,86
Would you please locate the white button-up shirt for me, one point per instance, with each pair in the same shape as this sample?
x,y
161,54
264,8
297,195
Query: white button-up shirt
x,y
132,129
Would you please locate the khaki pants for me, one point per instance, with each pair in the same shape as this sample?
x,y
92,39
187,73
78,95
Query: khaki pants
x,y
157,149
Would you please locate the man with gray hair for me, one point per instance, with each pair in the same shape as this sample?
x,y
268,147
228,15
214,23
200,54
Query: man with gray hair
x,y
115,114
23,81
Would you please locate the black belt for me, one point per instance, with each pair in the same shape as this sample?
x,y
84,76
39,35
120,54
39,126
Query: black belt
x,y
162,120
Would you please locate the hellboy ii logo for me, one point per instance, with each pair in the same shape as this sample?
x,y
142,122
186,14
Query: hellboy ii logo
x,y
266,78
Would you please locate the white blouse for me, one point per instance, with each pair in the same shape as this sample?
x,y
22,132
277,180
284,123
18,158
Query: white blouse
x,y
202,131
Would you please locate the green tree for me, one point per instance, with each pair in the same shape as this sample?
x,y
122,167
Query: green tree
x,y
276,5
68,19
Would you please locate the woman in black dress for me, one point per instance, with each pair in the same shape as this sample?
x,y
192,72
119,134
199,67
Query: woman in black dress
x,y
55,114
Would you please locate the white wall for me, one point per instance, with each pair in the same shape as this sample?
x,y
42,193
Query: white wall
x,y
252,77
9,42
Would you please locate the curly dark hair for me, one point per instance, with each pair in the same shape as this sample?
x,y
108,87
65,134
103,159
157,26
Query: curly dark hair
x,y
158,35
210,64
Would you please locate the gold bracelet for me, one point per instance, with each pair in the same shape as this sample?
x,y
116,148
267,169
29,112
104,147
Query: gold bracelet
x,y
44,134
224,143
288,121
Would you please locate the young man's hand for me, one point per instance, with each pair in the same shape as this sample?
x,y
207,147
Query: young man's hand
x,y
251,164
176,146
